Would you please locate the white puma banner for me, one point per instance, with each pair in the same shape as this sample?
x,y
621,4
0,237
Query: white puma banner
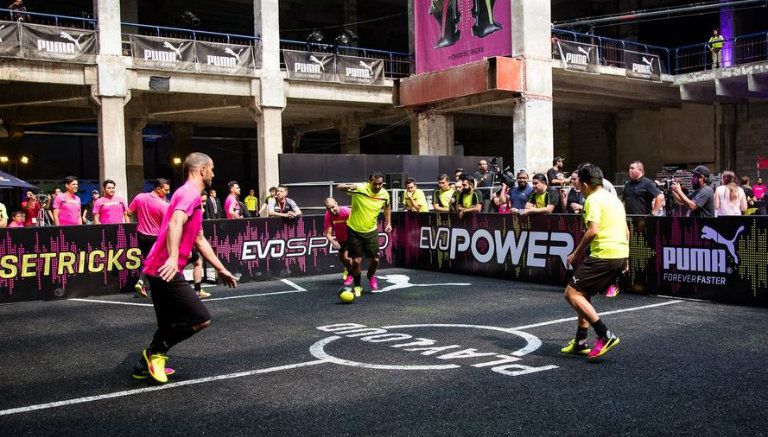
x,y
578,56
352,69
225,58
310,65
642,66
163,53
58,43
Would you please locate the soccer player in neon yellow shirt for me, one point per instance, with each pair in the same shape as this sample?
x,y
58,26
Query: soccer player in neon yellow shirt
x,y
368,199
607,236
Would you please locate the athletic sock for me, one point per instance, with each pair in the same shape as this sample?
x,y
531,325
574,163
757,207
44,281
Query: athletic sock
x,y
600,328
198,286
140,283
581,335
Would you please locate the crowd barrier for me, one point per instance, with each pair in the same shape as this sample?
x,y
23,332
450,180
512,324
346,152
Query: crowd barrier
x,y
723,259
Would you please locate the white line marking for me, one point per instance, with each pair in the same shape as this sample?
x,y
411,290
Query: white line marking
x,y
293,284
124,393
113,302
571,319
317,350
296,289
210,299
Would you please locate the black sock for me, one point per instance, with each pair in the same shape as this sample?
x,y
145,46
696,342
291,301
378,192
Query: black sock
x,y
581,335
600,328
357,280
198,286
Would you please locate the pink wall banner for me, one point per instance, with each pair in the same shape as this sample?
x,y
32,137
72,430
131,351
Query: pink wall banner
x,y
455,32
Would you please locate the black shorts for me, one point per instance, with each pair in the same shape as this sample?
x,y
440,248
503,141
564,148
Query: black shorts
x,y
363,244
145,243
594,275
176,302
343,246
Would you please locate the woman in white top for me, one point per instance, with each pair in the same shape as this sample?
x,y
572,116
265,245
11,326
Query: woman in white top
x,y
729,197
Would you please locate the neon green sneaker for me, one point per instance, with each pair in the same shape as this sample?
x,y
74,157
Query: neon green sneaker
x,y
358,291
156,366
344,274
141,290
574,348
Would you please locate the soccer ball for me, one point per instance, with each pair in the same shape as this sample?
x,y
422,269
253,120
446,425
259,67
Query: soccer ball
x,y
346,295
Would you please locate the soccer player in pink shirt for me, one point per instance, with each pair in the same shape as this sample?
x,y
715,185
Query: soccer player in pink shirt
x,y
149,209
180,312
66,205
109,208
232,204
335,225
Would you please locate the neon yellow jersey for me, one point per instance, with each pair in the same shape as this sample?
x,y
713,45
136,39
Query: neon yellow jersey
x,y
251,203
366,206
607,211
716,42
418,198
443,197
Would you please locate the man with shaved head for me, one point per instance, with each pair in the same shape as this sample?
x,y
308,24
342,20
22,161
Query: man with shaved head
x,y
180,313
335,225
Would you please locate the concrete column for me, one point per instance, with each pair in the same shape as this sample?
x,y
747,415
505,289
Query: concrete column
x,y
270,135
112,142
269,119
532,125
350,136
432,134
111,93
134,140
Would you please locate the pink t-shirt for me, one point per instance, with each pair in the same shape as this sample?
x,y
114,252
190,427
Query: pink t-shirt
x,y
230,201
758,191
110,209
339,223
69,209
16,225
186,199
150,210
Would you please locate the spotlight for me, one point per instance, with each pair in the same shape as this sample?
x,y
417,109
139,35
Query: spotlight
x,y
176,160
4,159
189,18
315,37
24,159
346,38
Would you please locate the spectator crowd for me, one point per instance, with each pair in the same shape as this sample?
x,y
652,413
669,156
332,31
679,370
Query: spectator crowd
x,y
693,194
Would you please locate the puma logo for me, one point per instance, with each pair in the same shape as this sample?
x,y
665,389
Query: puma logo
x,y
176,50
321,62
232,52
367,67
74,40
708,233
585,51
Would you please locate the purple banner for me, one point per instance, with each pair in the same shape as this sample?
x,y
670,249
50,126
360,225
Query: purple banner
x,y
455,32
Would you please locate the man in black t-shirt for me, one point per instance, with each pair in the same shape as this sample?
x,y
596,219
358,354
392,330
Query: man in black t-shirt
x,y
555,175
641,195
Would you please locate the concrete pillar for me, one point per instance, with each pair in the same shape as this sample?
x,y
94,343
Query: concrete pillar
x,y
111,93
270,145
350,136
269,119
134,140
532,126
432,134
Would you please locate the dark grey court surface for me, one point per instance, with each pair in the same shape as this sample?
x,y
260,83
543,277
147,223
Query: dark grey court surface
x,y
481,359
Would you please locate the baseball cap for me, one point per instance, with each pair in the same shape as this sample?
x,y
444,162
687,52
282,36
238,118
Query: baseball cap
x,y
95,192
702,170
